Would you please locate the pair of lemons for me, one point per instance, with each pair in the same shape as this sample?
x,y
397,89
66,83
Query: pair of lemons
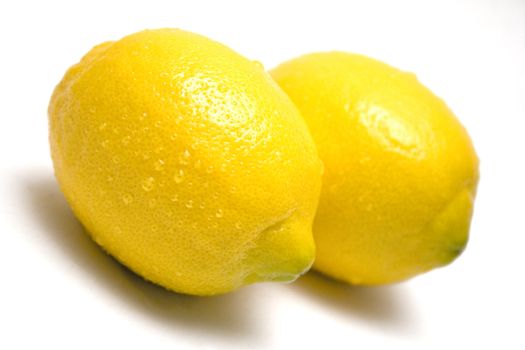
x,y
202,172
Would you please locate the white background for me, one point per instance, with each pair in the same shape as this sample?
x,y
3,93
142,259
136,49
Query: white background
x,y
59,290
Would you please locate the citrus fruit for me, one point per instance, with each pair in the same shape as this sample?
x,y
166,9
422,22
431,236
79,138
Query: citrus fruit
x,y
186,162
400,170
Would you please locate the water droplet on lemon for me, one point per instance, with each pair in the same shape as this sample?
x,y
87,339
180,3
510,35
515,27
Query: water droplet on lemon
x,y
148,184
179,176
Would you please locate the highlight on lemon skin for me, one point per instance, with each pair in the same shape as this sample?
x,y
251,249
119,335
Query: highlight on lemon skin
x,y
400,171
186,162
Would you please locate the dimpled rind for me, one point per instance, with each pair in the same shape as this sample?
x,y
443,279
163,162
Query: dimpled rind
x,y
400,171
186,162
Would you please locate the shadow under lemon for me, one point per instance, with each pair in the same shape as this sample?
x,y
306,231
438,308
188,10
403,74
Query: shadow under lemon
x,y
232,315
229,315
383,307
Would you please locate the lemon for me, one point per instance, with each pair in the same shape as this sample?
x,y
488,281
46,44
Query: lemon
x,y
186,162
400,170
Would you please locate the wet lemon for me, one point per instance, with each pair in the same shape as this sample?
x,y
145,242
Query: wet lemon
x,y
186,162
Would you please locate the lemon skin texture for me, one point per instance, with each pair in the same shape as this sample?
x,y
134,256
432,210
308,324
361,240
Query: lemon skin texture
x,y
400,170
186,162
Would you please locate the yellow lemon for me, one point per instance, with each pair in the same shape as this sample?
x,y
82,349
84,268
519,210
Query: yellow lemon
x,y
186,162
400,170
